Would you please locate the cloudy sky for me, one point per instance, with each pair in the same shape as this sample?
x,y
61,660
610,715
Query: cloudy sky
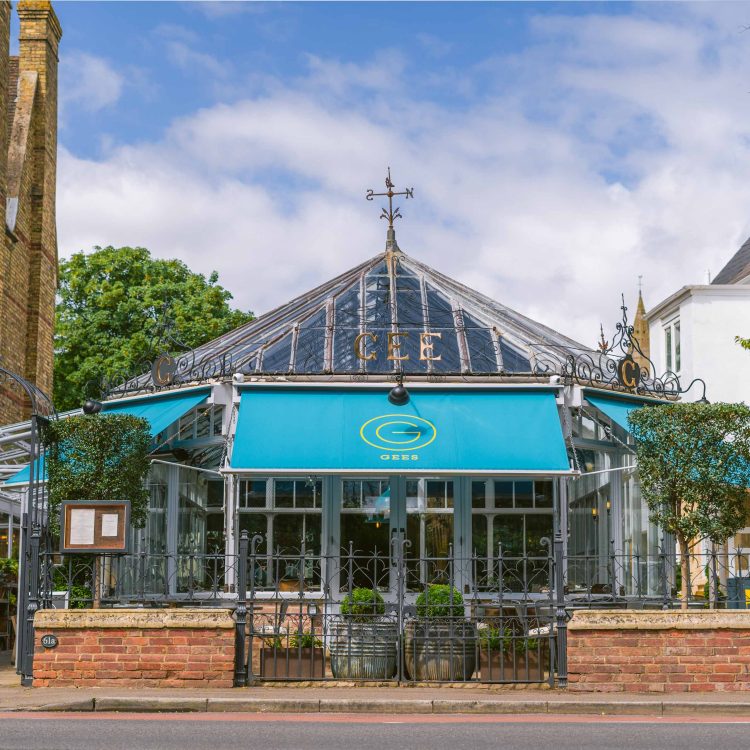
x,y
556,151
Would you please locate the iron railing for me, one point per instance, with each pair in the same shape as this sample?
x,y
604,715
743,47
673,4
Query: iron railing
x,y
499,619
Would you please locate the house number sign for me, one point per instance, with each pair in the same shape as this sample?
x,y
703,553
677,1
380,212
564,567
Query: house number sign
x,y
49,641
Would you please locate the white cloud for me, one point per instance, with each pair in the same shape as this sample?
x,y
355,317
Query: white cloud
x,y
87,82
516,196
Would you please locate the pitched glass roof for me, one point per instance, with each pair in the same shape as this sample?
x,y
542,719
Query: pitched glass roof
x,y
391,306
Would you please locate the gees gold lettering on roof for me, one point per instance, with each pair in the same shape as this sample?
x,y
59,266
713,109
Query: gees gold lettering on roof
x,y
395,339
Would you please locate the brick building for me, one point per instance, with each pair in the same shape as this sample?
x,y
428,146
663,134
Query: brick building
x,y
28,166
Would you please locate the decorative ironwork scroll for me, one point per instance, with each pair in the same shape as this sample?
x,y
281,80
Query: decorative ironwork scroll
x,y
617,366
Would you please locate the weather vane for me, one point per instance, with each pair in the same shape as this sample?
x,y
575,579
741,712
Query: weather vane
x,y
390,214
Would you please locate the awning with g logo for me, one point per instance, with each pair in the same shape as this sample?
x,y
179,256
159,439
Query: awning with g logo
x,y
465,430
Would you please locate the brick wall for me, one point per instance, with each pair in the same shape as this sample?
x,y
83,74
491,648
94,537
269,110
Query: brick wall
x,y
135,648
659,652
28,176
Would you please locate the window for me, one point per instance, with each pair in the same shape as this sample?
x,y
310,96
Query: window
x,y
672,354
511,518
287,513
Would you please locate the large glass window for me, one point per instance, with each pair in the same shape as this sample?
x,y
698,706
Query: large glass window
x,y
287,514
510,518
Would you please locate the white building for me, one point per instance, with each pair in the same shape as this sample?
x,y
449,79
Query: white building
x,y
693,334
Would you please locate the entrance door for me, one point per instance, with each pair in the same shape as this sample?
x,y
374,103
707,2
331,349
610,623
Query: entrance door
x,y
398,520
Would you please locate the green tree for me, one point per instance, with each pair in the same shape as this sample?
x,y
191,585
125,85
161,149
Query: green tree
x,y
694,464
114,302
744,343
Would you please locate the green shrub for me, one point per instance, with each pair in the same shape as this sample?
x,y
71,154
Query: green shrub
x,y
440,601
498,639
304,640
362,605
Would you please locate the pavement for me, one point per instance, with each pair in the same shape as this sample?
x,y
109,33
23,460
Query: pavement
x,y
354,698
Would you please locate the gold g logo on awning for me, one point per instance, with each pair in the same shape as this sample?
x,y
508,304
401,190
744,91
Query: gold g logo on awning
x,y
398,432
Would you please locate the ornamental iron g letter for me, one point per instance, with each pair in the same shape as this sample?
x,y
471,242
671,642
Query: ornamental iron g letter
x,y
628,372
163,370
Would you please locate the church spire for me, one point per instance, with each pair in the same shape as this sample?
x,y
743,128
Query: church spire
x,y
641,331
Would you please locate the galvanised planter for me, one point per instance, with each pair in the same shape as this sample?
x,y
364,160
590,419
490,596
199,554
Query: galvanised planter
x,y
364,650
440,650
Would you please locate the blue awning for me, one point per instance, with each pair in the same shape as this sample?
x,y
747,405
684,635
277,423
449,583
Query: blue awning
x,y
160,411
358,430
617,409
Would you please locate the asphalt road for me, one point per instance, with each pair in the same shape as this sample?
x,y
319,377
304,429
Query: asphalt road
x,y
33,731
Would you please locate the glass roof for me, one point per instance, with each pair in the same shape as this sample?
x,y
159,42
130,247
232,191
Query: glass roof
x,y
387,315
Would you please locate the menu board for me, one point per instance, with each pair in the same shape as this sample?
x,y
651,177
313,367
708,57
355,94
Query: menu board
x,y
94,526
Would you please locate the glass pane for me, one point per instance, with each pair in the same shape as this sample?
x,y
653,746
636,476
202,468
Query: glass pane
x,y
524,494
203,424
218,417
668,346
291,530
253,523
283,494
537,528
193,497
412,494
254,495
478,494
508,531
369,565
215,493
542,494
308,494
435,495
503,494
186,426
351,493
677,347
438,534
215,533
513,361
479,534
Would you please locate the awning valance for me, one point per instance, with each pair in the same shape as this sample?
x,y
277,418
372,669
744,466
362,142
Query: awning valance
x,y
617,409
310,430
160,411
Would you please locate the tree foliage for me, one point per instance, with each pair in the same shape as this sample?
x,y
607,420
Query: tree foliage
x,y
694,465
98,457
744,343
113,306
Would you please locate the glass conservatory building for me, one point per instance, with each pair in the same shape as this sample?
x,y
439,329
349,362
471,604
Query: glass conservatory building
x,y
393,405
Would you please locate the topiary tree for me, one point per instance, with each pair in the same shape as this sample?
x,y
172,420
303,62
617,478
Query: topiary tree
x,y
440,601
98,457
363,605
694,465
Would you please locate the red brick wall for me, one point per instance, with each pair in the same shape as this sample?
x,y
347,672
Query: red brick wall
x,y
132,657
661,661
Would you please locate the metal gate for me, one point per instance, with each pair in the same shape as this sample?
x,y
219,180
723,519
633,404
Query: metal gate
x,y
394,617
33,517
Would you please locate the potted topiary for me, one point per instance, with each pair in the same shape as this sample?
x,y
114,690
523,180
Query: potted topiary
x,y
302,657
440,644
363,642
505,657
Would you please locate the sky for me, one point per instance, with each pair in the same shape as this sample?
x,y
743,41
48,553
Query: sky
x,y
557,151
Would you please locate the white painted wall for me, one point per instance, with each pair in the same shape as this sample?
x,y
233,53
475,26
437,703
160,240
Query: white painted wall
x,y
710,318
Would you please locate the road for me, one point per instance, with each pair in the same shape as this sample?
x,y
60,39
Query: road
x,y
35,731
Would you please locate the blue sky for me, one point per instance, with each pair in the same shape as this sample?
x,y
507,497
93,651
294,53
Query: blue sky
x,y
557,150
